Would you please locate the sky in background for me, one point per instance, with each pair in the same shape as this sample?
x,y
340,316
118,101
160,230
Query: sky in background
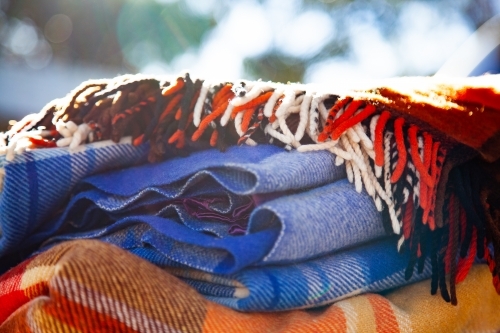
x,y
48,46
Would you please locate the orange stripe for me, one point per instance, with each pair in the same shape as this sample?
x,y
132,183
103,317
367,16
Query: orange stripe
x,y
342,127
348,112
173,88
400,144
17,322
208,119
222,319
213,138
253,103
224,93
385,320
331,116
247,118
170,106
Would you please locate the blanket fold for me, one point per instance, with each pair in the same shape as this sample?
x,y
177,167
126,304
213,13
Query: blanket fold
x,y
276,232
369,268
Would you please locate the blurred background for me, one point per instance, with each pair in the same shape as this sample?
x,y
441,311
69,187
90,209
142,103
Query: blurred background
x,y
47,47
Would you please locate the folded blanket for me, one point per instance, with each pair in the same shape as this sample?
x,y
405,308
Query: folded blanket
x,y
374,267
423,149
91,286
38,182
276,231
108,207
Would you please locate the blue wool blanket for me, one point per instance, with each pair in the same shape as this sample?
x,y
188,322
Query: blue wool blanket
x,y
374,267
36,183
300,245
310,216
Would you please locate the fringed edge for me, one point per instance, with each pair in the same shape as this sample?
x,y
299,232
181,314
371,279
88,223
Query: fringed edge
x,y
396,162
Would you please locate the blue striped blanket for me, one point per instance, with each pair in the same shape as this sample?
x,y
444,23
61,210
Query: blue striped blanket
x,y
36,183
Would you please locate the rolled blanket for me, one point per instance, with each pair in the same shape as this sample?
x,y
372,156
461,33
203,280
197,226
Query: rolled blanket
x,y
424,149
92,286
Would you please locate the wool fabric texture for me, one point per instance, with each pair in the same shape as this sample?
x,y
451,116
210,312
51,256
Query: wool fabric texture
x,y
90,286
37,183
425,150
276,230
374,267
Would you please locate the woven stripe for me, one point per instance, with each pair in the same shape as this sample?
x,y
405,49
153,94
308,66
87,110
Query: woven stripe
x,y
37,182
385,320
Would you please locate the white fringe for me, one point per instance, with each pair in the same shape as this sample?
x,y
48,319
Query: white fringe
x,y
354,148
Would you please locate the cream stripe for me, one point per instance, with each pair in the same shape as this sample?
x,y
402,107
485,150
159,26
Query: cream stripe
x,y
30,316
35,275
350,314
365,317
402,318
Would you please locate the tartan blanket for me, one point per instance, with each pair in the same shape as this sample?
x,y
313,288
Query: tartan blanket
x,y
374,267
90,286
35,184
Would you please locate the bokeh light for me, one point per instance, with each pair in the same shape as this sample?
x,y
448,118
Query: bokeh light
x,y
58,28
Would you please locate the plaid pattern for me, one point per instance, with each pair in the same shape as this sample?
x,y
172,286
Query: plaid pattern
x,y
92,287
37,182
371,268
276,232
88,286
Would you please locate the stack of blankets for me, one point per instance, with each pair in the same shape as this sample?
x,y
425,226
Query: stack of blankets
x,y
178,204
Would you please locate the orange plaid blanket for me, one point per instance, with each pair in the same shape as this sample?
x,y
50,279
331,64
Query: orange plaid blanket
x,y
90,286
